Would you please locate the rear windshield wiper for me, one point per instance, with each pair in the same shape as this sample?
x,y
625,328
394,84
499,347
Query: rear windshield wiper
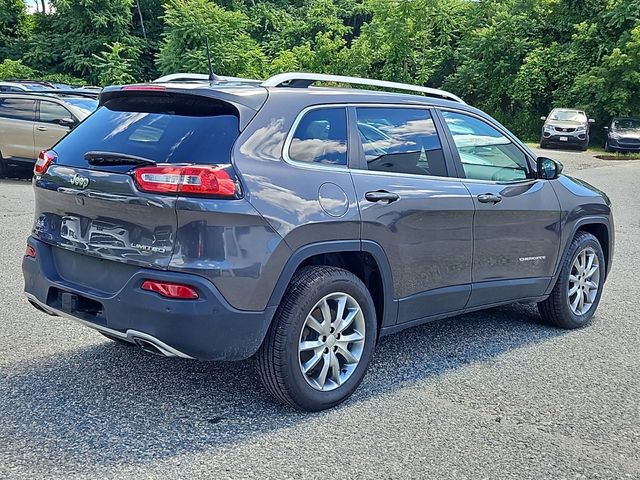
x,y
114,158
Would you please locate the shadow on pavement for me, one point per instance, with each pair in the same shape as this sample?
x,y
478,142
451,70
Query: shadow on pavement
x,y
110,404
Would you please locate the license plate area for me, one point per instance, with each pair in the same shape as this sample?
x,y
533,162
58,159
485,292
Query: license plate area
x,y
564,139
76,305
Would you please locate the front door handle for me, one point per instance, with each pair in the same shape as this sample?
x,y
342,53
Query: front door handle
x,y
381,196
41,129
489,198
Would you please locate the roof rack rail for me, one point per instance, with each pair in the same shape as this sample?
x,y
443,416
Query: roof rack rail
x,y
59,93
303,80
200,77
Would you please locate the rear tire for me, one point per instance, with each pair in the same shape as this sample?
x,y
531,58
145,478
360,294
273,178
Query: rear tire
x,y
576,294
313,356
3,166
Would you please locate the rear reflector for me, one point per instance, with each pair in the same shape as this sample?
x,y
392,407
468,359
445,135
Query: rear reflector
x,y
46,158
189,180
171,290
31,252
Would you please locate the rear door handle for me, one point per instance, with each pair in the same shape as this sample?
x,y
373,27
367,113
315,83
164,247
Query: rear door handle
x,y
381,196
489,198
42,129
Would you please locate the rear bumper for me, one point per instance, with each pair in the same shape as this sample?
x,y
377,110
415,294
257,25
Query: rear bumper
x,y
207,328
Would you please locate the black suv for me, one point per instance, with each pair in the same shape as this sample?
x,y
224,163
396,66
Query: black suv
x,y
220,220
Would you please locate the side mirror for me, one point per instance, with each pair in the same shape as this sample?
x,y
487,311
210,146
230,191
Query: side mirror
x,y
606,129
543,118
548,169
67,122
592,120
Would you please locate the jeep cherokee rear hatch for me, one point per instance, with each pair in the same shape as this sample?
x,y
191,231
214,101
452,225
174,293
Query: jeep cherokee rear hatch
x,y
109,189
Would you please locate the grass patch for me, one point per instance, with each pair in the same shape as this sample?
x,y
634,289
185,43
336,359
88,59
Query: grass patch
x,y
618,156
598,152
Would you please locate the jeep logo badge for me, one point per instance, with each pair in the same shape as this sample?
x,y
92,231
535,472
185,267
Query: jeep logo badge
x,y
79,181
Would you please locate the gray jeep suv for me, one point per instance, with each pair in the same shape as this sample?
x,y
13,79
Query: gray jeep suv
x,y
218,220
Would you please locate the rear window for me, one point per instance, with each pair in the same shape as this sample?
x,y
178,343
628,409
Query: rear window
x,y
188,130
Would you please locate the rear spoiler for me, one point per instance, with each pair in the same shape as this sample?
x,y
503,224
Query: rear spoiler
x,y
247,104
58,93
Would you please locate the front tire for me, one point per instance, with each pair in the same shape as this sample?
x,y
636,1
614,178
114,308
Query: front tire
x,y
607,148
576,294
321,340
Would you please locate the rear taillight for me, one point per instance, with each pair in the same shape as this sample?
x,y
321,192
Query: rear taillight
x,y
187,180
30,252
171,290
46,158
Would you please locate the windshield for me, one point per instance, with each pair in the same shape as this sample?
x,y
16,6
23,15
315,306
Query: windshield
x,y
83,106
568,116
626,123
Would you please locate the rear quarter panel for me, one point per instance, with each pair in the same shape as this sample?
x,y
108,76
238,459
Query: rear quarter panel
x,y
287,195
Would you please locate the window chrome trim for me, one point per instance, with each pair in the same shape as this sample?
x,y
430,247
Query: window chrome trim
x,y
348,167
358,171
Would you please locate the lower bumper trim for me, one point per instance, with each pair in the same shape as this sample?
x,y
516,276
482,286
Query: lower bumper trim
x,y
129,336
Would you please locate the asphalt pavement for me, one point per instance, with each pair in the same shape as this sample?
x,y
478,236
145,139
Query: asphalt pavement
x,y
493,394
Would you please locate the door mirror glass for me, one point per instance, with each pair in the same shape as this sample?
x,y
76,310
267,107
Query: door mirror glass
x,y
67,122
548,169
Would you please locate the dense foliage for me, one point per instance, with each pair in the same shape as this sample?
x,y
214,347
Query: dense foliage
x,y
513,58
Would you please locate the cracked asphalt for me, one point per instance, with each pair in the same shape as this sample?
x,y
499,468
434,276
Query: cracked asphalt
x,y
492,394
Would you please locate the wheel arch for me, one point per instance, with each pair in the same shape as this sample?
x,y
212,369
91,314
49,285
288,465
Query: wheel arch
x,y
598,226
365,259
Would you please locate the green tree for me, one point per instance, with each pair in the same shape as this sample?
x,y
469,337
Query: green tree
x,y
66,41
189,22
14,26
114,64
12,69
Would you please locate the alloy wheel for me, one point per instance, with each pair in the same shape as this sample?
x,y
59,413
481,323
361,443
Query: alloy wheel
x,y
331,341
584,281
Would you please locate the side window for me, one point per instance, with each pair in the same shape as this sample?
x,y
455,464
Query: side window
x,y
17,108
321,137
52,112
400,140
485,153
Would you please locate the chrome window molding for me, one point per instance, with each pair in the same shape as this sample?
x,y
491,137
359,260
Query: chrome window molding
x,y
345,168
